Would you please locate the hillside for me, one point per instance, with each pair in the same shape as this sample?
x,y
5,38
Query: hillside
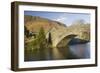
x,y
34,23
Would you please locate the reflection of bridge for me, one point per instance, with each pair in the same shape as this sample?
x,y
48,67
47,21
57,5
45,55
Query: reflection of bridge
x,y
61,37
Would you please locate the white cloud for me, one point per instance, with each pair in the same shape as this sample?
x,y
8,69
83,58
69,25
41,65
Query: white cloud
x,y
62,18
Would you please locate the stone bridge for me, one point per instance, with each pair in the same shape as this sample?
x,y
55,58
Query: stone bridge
x,y
61,37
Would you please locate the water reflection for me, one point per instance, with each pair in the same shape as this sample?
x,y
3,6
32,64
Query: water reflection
x,y
78,51
81,50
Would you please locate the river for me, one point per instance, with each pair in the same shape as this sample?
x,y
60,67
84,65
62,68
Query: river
x,y
78,51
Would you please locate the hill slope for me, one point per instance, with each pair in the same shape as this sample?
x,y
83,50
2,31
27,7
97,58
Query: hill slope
x,y
34,23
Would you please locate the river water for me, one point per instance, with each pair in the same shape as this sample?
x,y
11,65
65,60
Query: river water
x,y
81,50
78,51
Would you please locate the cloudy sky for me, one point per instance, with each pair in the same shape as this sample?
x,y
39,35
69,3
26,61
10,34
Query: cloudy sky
x,y
63,17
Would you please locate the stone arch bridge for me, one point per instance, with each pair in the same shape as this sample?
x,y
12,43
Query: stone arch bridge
x,y
61,37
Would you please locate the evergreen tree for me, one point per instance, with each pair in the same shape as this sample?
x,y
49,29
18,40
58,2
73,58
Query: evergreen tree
x,y
41,39
49,39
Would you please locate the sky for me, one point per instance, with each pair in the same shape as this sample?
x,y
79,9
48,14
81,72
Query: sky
x,y
63,17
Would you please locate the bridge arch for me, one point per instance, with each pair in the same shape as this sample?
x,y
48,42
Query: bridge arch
x,y
63,40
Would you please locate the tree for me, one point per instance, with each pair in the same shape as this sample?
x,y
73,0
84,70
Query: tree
x,y
41,44
49,39
26,31
41,38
